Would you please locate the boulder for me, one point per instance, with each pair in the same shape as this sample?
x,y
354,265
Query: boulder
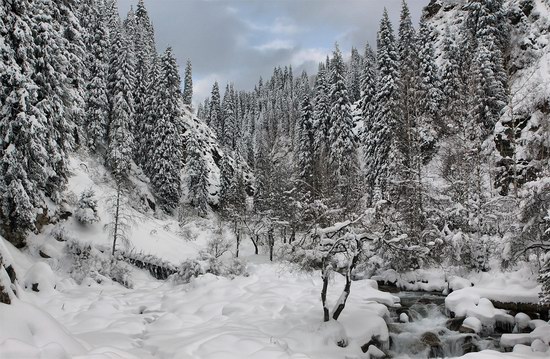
x,y
454,323
430,339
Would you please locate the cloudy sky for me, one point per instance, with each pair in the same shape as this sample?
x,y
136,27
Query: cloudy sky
x,y
240,40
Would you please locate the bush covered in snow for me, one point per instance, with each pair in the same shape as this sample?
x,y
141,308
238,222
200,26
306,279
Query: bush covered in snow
x,y
89,262
86,213
193,268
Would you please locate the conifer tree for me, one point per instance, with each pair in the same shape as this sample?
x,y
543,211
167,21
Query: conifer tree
x,y
198,176
342,143
304,151
215,119
121,71
165,162
452,87
354,76
368,87
97,102
188,85
380,146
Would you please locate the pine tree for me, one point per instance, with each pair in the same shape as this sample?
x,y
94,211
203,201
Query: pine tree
x,y
188,85
304,151
165,162
121,71
452,87
322,108
380,146
214,119
150,117
97,102
198,176
368,87
342,143
354,76
429,90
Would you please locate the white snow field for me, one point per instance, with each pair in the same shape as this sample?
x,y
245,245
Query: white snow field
x,y
272,313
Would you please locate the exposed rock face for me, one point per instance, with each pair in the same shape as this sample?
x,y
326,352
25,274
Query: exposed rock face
x,y
430,339
455,323
7,277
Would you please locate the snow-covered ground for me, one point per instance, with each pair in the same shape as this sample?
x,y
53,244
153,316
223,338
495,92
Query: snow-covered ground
x,y
272,313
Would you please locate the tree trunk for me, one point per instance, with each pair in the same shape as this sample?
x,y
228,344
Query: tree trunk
x,y
341,304
326,314
117,208
271,241
255,243
238,245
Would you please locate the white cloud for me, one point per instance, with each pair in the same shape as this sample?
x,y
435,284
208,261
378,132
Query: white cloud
x,y
309,55
275,45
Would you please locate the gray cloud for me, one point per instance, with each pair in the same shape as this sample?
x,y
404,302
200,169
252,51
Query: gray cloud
x,y
241,40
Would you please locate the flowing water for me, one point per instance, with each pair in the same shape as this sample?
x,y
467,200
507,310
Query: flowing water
x,y
426,334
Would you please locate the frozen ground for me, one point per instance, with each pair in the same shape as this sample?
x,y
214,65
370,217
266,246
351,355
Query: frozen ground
x,y
272,313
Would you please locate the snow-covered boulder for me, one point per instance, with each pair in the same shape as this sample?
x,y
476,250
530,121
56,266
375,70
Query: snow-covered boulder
x,y
40,278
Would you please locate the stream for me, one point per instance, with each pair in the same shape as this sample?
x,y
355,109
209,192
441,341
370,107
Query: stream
x,y
426,334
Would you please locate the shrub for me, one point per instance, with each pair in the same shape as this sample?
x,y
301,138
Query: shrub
x,y
87,261
86,213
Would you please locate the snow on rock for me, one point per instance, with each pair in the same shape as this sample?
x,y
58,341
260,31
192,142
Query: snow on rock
x,y
472,323
40,278
522,321
539,346
542,333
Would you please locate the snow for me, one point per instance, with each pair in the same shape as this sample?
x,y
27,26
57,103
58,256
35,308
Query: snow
x,y
42,275
403,318
542,333
472,323
272,313
522,321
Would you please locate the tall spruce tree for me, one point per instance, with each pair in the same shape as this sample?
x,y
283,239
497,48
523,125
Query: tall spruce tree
x,y
165,162
188,85
380,146
97,101
304,150
342,142
353,78
121,86
198,175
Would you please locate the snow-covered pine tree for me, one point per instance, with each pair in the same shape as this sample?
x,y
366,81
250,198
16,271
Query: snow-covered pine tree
x,y
165,162
150,117
226,176
215,120
353,77
121,87
188,85
429,93
368,87
342,141
231,126
97,102
379,146
198,175
57,96
408,64
321,125
304,151
452,86
488,35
